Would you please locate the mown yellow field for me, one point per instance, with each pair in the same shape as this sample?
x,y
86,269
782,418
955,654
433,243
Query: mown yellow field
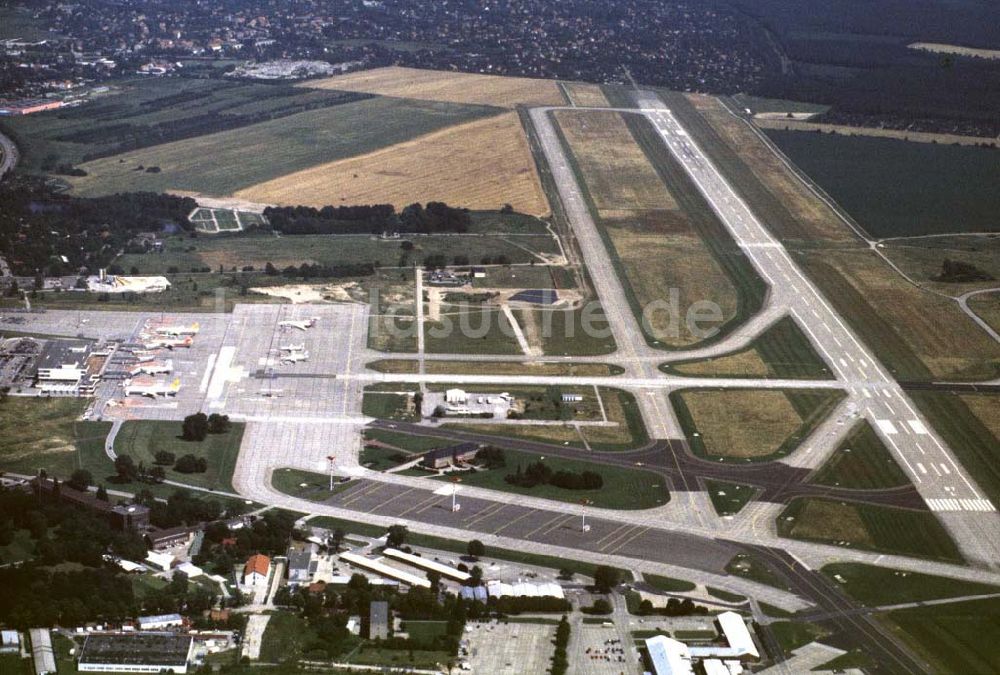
x,y
436,85
747,363
948,342
585,95
823,223
742,423
655,263
618,174
478,165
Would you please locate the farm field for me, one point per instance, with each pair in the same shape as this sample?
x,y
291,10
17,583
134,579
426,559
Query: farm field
x,y
918,335
752,424
790,209
585,95
464,174
886,186
659,233
782,351
142,112
873,586
780,123
624,488
861,462
957,639
876,528
569,332
921,258
142,439
971,427
451,87
240,158
987,308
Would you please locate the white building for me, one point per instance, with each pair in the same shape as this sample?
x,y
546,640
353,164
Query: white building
x,y
669,656
161,561
160,621
257,569
456,396
10,641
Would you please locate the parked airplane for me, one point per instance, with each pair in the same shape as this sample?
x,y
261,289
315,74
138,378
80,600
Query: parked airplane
x,y
144,357
294,357
292,348
178,329
301,324
153,390
169,342
163,368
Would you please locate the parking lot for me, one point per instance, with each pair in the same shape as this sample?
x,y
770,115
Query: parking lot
x,y
514,648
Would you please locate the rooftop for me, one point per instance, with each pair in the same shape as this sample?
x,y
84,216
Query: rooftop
x,y
158,649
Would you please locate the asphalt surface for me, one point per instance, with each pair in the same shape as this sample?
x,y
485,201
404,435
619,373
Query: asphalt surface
x,y
777,482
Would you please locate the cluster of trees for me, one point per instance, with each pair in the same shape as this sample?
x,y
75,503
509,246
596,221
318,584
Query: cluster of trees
x,y
223,548
181,508
38,227
958,272
127,471
307,271
539,473
491,457
516,605
198,426
675,607
369,219
560,661
191,464
42,592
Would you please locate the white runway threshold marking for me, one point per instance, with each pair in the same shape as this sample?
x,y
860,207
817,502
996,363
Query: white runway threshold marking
x,y
886,426
918,427
980,505
203,387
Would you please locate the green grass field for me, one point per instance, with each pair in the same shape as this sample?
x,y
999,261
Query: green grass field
x,y
875,586
794,634
240,158
471,331
624,488
573,332
22,547
973,443
884,183
876,528
42,433
782,351
142,439
381,459
388,406
667,584
812,407
406,442
753,568
861,462
957,639
729,498
306,484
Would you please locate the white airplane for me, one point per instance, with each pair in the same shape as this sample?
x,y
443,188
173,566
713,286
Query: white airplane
x,y
292,348
178,329
169,342
294,357
164,368
144,357
153,390
301,324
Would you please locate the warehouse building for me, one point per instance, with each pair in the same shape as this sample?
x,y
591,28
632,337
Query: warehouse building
x,y
671,657
160,621
136,653
438,458
427,565
378,567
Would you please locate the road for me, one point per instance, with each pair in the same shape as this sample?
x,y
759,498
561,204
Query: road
x,y
8,155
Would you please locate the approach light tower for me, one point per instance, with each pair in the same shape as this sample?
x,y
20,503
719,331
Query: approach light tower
x,y
331,463
584,527
455,506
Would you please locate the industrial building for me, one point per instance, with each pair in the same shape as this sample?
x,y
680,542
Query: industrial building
x,y
500,589
427,565
63,370
42,654
380,568
27,106
136,653
10,642
301,566
123,517
167,537
672,657
439,458
160,621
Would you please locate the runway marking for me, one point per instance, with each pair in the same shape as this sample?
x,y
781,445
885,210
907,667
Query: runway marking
x,y
363,492
610,535
935,469
625,541
886,426
944,467
918,427
922,468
